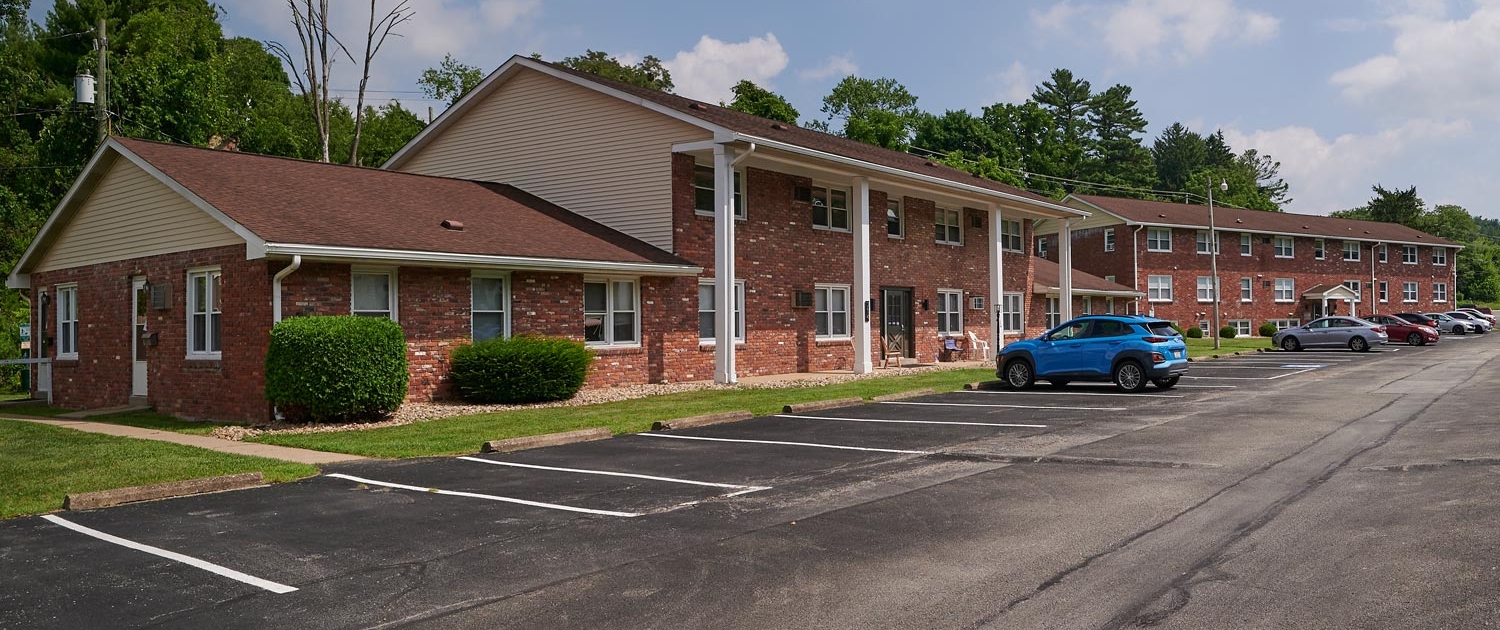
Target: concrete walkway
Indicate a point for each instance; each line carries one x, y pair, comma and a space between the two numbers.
285, 453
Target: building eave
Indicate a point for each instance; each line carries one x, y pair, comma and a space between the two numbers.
334, 253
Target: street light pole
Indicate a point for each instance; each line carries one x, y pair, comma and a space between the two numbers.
1213, 253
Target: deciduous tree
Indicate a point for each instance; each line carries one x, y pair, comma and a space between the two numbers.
648, 73
756, 100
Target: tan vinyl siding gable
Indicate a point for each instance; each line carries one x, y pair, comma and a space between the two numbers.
131, 214
594, 154
1096, 220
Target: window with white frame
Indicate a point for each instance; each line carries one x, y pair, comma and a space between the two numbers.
205, 312
1109, 239
895, 218
1319, 251
703, 189
708, 314
1159, 288
1109, 306
1204, 326
1283, 324
1283, 247
1041, 246
1408, 254
1241, 327
1286, 290
1440, 292
1351, 251
1381, 254
1010, 235
1439, 256
1247, 292
1054, 311
946, 223
1158, 239
1010, 312
1385, 291
1203, 242
950, 312
488, 302
1088, 305
611, 316
831, 310
1109, 278
1205, 289
1245, 239
1353, 285
830, 208
67, 321
374, 293
1409, 292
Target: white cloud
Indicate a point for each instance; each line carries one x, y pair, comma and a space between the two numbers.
1137, 30
835, 66
1437, 66
1327, 175
1058, 17
1015, 84
712, 67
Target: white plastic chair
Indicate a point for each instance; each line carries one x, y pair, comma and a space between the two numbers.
983, 346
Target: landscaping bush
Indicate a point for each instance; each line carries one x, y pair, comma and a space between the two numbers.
1177, 328
1267, 329
336, 368
1228, 332
1195, 333
520, 369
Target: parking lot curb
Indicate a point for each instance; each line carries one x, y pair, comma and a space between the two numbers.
925, 391
984, 385
822, 404
701, 421
544, 440
119, 496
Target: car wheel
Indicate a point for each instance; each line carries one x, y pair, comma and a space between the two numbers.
1058, 382
1458, 329
1416, 339
1018, 374
1358, 344
1129, 376
1290, 344
1166, 383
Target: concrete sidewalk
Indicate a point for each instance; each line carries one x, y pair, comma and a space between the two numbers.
285, 453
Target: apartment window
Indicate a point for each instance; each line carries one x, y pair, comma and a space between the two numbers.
374, 293
1241, 327
1439, 256
708, 323
1385, 292
1318, 249
1381, 253
1088, 305
205, 312
1245, 239
1439, 292
703, 188
1054, 312
830, 208
1351, 251
1041, 246
1246, 289
1158, 239
1109, 239
1109, 306
831, 310
1010, 312
950, 312
1409, 292
1010, 235
487, 309
1286, 290
67, 322
1205, 289
895, 219
949, 232
1203, 242
1283, 324
1408, 254
610, 314
1353, 285
1283, 247
1159, 288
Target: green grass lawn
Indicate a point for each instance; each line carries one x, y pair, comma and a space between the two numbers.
142, 419
15, 396
41, 464
1205, 347
464, 434
39, 409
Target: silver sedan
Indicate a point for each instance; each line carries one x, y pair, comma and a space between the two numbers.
1339, 331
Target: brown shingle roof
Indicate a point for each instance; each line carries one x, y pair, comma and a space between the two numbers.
311, 203
1046, 276
1237, 219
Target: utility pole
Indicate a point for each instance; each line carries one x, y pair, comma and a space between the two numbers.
1213, 258
101, 104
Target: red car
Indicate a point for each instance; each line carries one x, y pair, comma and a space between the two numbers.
1401, 330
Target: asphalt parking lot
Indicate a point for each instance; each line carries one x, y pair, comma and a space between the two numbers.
700, 528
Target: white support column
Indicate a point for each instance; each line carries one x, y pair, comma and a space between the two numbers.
724, 294
1065, 270
997, 283
863, 364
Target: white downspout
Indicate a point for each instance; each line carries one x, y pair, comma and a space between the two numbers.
740, 158
1135, 267
1065, 271
1374, 286
276, 286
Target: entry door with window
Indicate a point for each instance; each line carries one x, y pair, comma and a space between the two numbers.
140, 301
895, 322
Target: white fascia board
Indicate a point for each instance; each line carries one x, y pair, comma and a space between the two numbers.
18, 281
472, 261
1053, 291
1335, 237
255, 246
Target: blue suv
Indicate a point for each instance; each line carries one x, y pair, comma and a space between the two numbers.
1128, 350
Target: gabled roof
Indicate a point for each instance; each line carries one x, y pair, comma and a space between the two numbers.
1326, 291
729, 125
1160, 213
1046, 278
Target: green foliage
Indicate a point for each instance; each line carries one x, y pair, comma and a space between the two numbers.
1266, 330
1228, 332
1178, 152
449, 81
1178, 328
1479, 272
1115, 155
1396, 206
874, 111
343, 367
649, 73
520, 369
758, 101
1194, 333
1068, 100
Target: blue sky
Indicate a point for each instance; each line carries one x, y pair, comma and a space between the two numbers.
1344, 93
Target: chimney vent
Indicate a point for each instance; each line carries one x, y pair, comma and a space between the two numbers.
450, 224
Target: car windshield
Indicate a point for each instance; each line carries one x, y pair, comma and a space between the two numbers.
1164, 329
1458, 315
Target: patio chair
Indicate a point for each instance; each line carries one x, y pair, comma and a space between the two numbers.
955, 351
982, 346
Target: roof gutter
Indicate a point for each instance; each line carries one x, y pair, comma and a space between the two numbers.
447, 259
1241, 228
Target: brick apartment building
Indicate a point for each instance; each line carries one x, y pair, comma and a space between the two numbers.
1273, 267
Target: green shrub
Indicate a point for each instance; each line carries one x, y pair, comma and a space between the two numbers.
1228, 332
1267, 329
1195, 333
1177, 328
520, 369
336, 368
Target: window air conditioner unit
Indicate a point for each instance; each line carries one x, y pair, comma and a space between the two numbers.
976, 303
802, 299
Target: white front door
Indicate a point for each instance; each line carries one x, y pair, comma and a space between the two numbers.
140, 300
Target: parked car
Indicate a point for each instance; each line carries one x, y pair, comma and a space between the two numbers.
1478, 314
1398, 329
1336, 331
1453, 325
1128, 350
1481, 325
1483, 309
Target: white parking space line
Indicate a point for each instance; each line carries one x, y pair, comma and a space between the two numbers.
730, 486
970, 424
1063, 393
1180, 385
927, 404
1251, 378
809, 444
1241, 367
487, 497
172, 555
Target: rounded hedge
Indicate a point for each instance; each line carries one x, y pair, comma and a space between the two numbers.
520, 369
1267, 329
336, 368
1228, 332
1195, 333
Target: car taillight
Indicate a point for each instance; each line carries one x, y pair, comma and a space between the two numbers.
1156, 357
1379, 329
1155, 339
